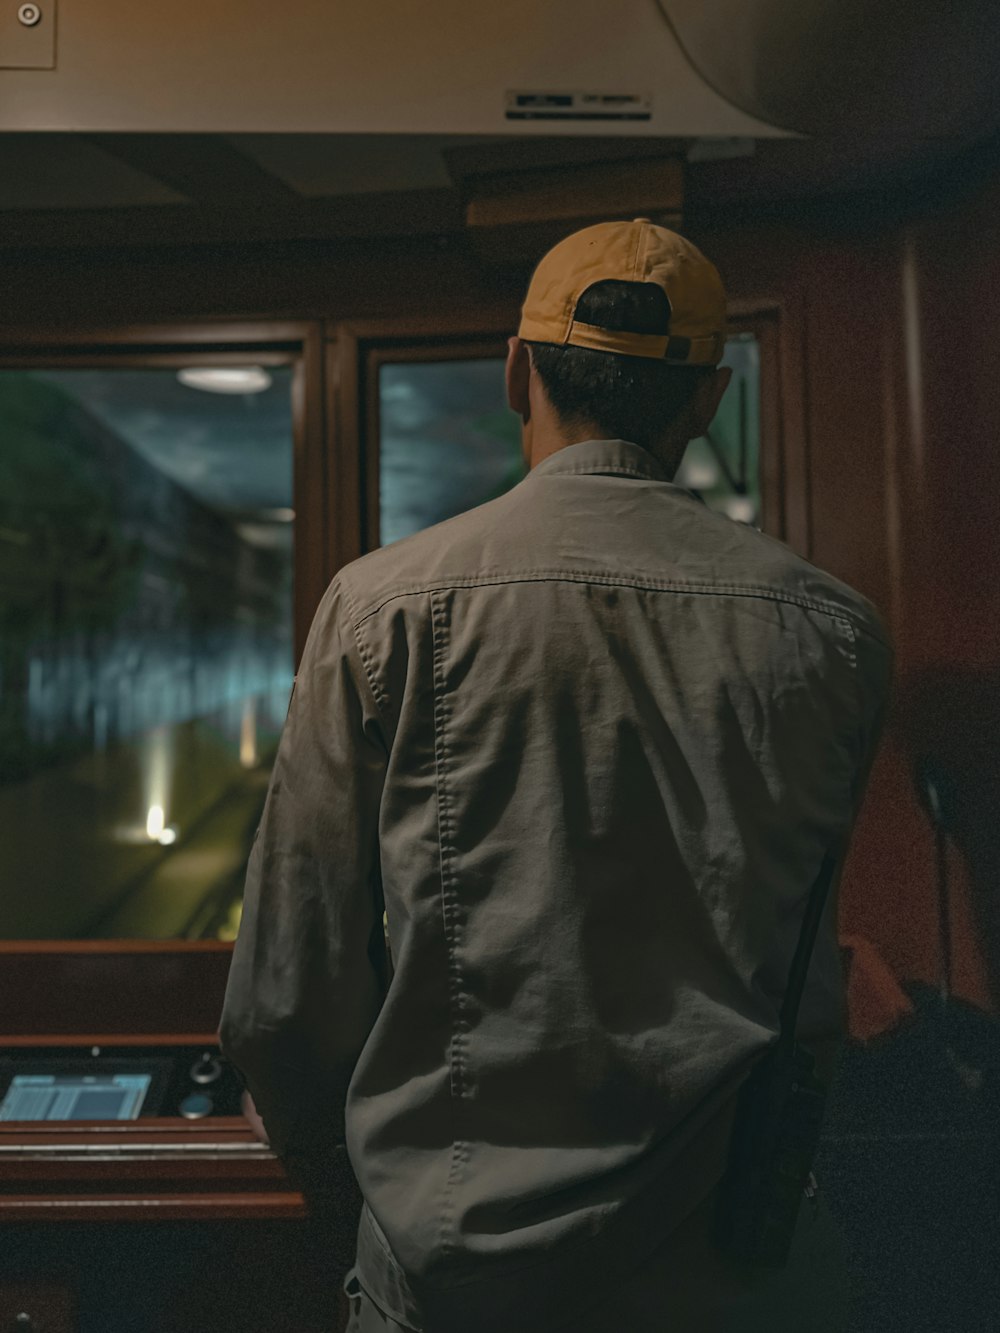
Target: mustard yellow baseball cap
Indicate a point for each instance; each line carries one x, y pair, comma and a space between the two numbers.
637, 251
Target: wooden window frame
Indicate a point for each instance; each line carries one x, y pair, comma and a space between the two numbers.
65, 991
358, 350
783, 462
474, 349
57, 990
268, 343
355, 352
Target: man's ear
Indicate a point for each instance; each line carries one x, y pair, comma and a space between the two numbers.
707, 398
517, 374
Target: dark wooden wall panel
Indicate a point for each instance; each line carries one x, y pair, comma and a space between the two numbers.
347, 280
903, 491
949, 705
144, 989
844, 294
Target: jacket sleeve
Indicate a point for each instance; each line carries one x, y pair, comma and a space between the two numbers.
308, 972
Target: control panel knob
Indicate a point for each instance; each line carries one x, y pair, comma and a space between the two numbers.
196, 1105
207, 1069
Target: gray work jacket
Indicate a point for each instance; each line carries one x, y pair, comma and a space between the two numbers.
587, 744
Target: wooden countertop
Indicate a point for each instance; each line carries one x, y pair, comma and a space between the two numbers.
147, 1169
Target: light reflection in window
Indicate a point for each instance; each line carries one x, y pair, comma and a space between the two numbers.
448, 442
146, 658
723, 467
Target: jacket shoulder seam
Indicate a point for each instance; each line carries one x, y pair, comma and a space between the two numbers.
832, 609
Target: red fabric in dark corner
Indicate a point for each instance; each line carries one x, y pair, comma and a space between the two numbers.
876, 1002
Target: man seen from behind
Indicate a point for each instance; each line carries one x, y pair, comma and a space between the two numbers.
587, 745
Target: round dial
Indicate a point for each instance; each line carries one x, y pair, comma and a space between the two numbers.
195, 1105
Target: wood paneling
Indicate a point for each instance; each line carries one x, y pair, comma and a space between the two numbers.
235, 279
311, 482
99, 988
162, 1168
889, 324
524, 212
431, 212
349, 502
196, 1199
185, 1206
949, 487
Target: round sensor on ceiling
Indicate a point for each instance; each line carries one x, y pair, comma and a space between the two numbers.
226, 379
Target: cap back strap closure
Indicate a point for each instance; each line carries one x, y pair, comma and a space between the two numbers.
656, 346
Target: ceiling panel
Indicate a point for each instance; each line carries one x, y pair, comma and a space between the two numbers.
66, 171
316, 165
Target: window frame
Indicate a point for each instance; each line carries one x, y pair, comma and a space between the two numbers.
56, 991
783, 459
297, 344
419, 353
358, 350
61, 991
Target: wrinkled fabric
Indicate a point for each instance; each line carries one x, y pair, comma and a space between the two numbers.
587, 745
687, 1286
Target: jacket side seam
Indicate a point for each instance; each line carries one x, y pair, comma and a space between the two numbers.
611, 580
450, 917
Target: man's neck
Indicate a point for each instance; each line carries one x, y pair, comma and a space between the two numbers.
545, 443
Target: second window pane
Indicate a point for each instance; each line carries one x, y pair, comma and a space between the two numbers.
448, 442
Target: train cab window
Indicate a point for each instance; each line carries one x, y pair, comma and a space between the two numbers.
447, 441
723, 467
145, 642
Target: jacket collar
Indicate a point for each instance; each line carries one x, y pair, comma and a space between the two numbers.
602, 457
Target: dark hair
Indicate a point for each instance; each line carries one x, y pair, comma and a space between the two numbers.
625, 397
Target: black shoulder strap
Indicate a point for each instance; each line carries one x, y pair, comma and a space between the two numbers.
803, 950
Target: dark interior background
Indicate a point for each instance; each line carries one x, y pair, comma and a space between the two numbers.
879, 265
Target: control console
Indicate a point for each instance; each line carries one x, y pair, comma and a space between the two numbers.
117, 1083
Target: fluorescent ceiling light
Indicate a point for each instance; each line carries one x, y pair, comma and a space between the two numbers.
226, 379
